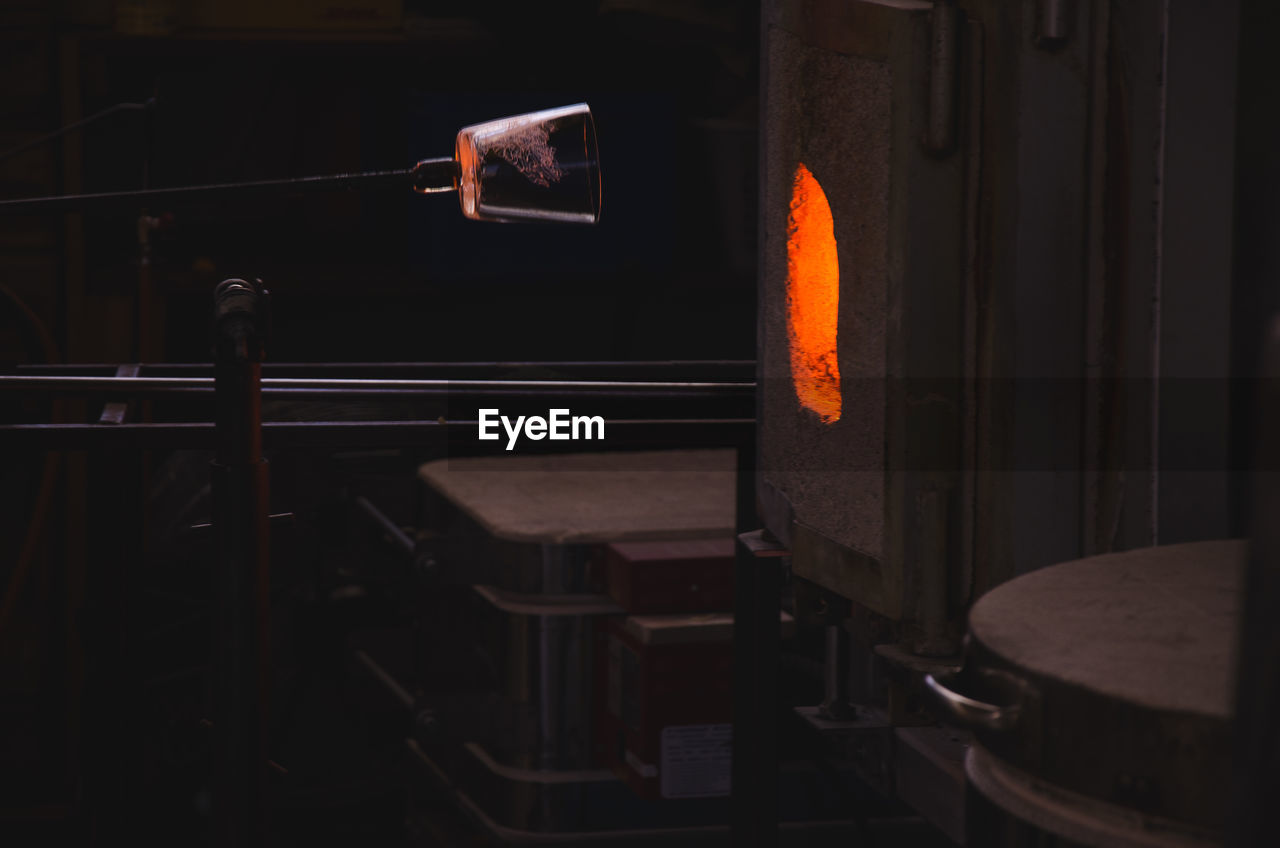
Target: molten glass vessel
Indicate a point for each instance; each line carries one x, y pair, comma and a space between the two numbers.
541, 166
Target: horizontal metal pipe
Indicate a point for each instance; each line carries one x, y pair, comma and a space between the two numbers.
97, 368
453, 395
147, 385
701, 432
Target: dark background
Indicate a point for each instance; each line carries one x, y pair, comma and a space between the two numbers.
667, 273
103, 736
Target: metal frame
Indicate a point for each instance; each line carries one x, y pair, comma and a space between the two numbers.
241, 522
727, 400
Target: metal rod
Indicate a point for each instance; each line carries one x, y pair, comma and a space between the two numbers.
940, 132
722, 405
1255, 754
388, 526
75, 125
163, 385
368, 180
757, 590
835, 675
746, 366
280, 435
551, 636
1053, 23
242, 608
384, 677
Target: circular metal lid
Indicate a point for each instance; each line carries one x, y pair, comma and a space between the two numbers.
1112, 677
1154, 627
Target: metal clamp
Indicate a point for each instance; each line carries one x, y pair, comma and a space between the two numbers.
972, 713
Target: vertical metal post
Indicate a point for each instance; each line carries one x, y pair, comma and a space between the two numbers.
116, 496
549, 633
940, 132
835, 675
241, 663
757, 587
1256, 743
144, 330
1053, 23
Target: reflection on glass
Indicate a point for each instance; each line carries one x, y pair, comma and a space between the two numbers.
542, 166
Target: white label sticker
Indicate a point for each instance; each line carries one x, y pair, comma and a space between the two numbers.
696, 760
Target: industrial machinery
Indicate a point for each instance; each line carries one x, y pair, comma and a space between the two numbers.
955, 559
976, 361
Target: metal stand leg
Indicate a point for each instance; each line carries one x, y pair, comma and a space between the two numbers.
241, 664
835, 704
1257, 740
757, 590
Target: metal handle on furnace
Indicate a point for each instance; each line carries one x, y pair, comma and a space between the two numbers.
973, 713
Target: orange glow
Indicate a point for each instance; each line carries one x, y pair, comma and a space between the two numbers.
813, 298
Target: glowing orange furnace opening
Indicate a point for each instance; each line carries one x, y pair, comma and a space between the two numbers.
813, 298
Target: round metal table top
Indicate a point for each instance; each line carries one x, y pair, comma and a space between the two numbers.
1155, 627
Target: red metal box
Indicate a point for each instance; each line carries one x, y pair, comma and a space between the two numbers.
668, 576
